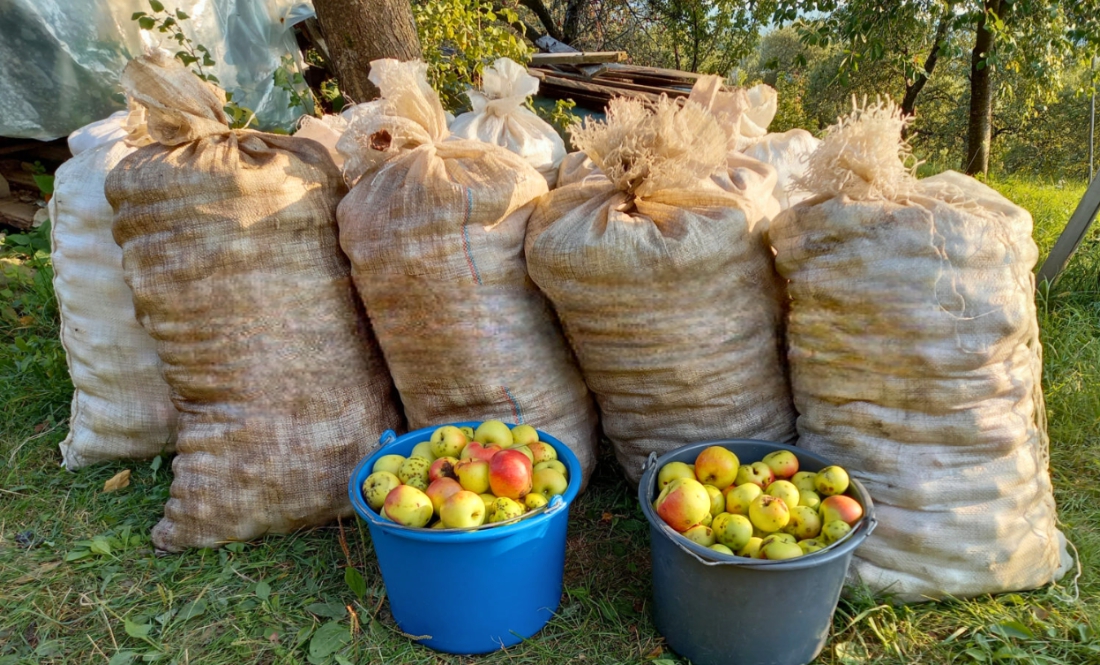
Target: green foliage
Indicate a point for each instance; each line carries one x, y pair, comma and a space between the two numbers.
560, 116
709, 36
288, 78
459, 38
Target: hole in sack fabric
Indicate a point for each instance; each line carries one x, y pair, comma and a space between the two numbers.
380, 141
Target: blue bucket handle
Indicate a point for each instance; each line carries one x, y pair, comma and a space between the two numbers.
556, 504
388, 437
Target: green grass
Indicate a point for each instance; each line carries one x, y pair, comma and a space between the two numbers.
79, 582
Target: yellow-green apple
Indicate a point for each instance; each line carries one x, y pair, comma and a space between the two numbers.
683, 504
534, 500
841, 507
778, 550
783, 463
523, 435
494, 432
752, 548
547, 482
703, 535
414, 468
468, 431
423, 449
719, 547
504, 509
672, 471
809, 498
440, 489
462, 510
542, 452
717, 501
474, 450
768, 513
552, 464
448, 441
377, 486
784, 489
805, 523
756, 473
739, 497
707, 519
804, 481
834, 531
733, 531
810, 546
409, 506
444, 467
488, 499
473, 475
830, 481
526, 451
383, 515
510, 474
780, 536
716, 466
438, 524
389, 463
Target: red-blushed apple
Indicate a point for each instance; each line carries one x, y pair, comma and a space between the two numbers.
752, 549
768, 513
534, 500
542, 452
804, 481
805, 523
716, 466
683, 504
834, 531
389, 463
756, 473
523, 435
841, 507
440, 489
552, 464
526, 451
377, 487
444, 467
778, 550
784, 489
783, 463
701, 535
809, 498
474, 450
672, 471
409, 506
719, 547
415, 471
717, 500
830, 481
448, 441
547, 482
494, 432
738, 498
510, 474
733, 531
505, 509
462, 510
473, 475
423, 449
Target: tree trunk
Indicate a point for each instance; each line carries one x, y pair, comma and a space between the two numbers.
570, 28
547, 21
909, 102
358, 31
980, 123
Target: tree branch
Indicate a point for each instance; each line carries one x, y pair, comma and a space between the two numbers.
544, 17
909, 102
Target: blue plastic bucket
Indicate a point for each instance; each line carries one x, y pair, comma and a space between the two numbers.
470, 592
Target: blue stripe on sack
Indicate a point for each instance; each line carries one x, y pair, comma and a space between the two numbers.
515, 406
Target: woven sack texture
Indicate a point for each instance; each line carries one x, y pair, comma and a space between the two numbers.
664, 287
915, 362
434, 229
231, 249
121, 407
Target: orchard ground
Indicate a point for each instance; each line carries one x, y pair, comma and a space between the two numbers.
79, 582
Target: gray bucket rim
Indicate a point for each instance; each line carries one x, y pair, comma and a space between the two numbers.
708, 557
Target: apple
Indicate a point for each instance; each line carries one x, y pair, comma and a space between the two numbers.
841, 507
707, 519
752, 548
739, 498
702, 535
780, 536
510, 474
448, 441
474, 450
784, 489
717, 466
805, 523
444, 467
438, 524
717, 501
523, 435
462, 510
683, 504
469, 432
534, 500
810, 546
377, 486
494, 432
547, 482
808, 498
526, 451
413, 469
733, 531
778, 550
389, 463
719, 547
757, 473
409, 506
834, 531
830, 481
439, 490
804, 481
783, 463
473, 475
672, 471
504, 508
383, 515
768, 513
552, 464
423, 449
542, 452
488, 499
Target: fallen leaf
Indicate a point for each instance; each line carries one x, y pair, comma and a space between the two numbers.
606, 518
26, 320
657, 651
118, 481
39, 427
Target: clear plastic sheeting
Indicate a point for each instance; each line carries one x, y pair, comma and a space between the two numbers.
62, 58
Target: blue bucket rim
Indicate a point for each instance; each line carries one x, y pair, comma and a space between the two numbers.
707, 556
389, 440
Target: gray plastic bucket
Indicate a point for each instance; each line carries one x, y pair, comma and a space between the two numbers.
716, 609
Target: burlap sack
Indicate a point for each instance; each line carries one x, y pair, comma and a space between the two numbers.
230, 246
915, 363
121, 407
664, 287
435, 229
